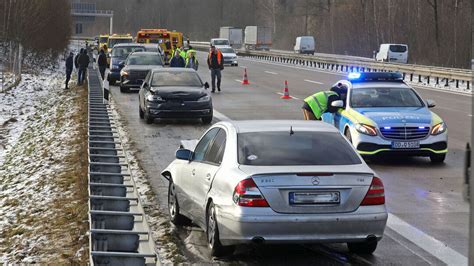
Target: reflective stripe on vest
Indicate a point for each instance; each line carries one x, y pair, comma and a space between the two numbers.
219, 57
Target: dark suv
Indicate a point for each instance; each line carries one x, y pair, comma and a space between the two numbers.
119, 54
136, 67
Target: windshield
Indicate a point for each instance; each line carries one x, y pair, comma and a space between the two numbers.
227, 50
300, 148
398, 48
125, 51
144, 60
174, 78
221, 42
113, 42
103, 39
385, 97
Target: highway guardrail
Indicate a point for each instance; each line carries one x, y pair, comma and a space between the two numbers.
414, 73
119, 233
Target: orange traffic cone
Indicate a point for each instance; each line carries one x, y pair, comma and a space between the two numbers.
245, 81
286, 93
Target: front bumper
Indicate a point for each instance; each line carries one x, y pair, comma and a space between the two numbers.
228, 61
130, 83
377, 145
243, 224
180, 109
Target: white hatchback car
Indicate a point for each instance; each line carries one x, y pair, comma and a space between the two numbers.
277, 182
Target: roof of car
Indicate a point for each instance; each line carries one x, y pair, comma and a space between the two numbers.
379, 84
245, 126
174, 69
144, 53
128, 44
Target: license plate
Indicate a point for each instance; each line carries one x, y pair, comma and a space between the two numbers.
305, 198
405, 145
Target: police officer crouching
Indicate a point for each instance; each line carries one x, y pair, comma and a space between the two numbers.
319, 103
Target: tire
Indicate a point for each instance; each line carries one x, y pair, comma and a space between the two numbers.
147, 117
362, 247
437, 158
140, 112
173, 206
347, 134
123, 90
207, 120
212, 233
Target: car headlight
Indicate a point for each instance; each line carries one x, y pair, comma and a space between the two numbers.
439, 128
205, 98
366, 129
154, 98
123, 73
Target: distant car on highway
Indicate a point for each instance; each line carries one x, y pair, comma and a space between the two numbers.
391, 52
219, 41
136, 68
230, 57
174, 93
119, 54
153, 47
304, 45
384, 115
276, 182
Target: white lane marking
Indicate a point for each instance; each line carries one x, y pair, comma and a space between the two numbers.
345, 75
269, 72
430, 244
238, 80
469, 115
312, 81
221, 116
242, 66
292, 97
406, 246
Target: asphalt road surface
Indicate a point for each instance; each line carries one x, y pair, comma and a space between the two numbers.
428, 222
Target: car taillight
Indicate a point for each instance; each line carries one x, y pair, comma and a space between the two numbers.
247, 194
376, 193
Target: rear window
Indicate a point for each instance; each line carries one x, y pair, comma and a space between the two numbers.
300, 148
179, 79
221, 42
398, 48
113, 42
144, 60
125, 51
103, 39
227, 50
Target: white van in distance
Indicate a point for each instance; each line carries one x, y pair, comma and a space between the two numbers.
391, 52
304, 45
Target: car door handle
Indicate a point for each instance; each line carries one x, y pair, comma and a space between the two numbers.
208, 177
193, 172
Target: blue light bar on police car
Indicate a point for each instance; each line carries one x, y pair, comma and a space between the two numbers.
374, 76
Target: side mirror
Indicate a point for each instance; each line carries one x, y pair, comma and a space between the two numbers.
337, 104
145, 84
184, 154
206, 85
430, 103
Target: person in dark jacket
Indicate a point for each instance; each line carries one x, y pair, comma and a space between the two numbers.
177, 60
102, 62
69, 67
83, 64
76, 59
215, 62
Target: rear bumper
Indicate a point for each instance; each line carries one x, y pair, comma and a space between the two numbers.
276, 228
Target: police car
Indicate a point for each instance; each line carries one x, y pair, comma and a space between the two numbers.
382, 114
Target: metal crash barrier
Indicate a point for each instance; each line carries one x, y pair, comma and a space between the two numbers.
119, 233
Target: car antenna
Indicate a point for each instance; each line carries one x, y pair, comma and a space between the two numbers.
291, 131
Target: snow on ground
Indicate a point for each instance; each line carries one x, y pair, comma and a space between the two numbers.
43, 218
163, 232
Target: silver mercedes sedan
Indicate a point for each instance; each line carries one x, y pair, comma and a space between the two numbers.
276, 182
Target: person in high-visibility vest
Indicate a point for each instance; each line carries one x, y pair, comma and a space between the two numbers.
319, 103
191, 59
